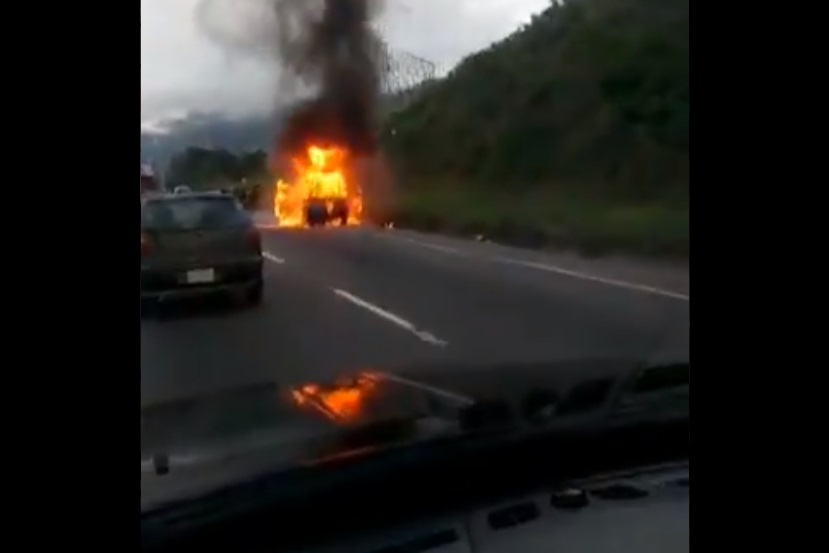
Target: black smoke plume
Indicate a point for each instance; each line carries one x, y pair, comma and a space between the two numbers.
330, 47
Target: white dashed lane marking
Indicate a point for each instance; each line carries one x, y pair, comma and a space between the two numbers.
271, 257
400, 322
593, 278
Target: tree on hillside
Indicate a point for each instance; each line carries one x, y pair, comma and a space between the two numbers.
235, 134
593, 92
202, 168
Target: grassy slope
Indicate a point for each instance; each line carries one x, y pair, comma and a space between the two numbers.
572, 131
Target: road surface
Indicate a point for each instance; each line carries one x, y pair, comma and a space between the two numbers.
360, 298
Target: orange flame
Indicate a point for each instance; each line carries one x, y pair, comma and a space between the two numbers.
344, 402
320, 174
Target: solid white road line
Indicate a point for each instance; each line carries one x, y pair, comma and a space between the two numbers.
271, 257
436, 247
421, 243
643, 288
422, 335
592, 278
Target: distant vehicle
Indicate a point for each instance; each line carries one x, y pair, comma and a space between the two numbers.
196, 244
321, 211
149, 181
182, 189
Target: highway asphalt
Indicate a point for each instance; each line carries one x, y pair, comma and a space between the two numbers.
340, 300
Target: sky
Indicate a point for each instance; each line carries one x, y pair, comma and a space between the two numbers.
182, 70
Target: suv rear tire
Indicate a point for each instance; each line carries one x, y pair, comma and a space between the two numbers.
149, 308
256, 293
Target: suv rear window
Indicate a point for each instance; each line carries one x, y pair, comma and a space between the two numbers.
192, 213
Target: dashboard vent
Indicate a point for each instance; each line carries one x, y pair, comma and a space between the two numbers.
569, 499
486, 414
540, 406
419, 544
514, 515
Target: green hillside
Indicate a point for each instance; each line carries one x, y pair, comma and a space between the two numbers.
573, 131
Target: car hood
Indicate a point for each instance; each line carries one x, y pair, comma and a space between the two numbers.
194, 444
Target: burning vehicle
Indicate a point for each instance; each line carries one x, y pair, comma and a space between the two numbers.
326, 158
328, 140
320, 191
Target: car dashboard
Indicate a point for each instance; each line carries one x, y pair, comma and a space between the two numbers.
588, 480
628, 489
644, 512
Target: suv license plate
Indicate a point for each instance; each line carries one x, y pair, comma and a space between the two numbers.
201, 276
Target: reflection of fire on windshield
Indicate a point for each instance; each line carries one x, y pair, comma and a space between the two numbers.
343, 402
320, 174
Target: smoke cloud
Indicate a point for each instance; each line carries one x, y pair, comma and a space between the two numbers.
326, 46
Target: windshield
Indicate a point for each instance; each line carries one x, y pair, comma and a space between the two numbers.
192, 213
438, 194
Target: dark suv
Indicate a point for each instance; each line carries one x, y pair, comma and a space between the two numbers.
198, 243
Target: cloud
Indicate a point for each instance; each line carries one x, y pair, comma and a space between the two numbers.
182, 69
